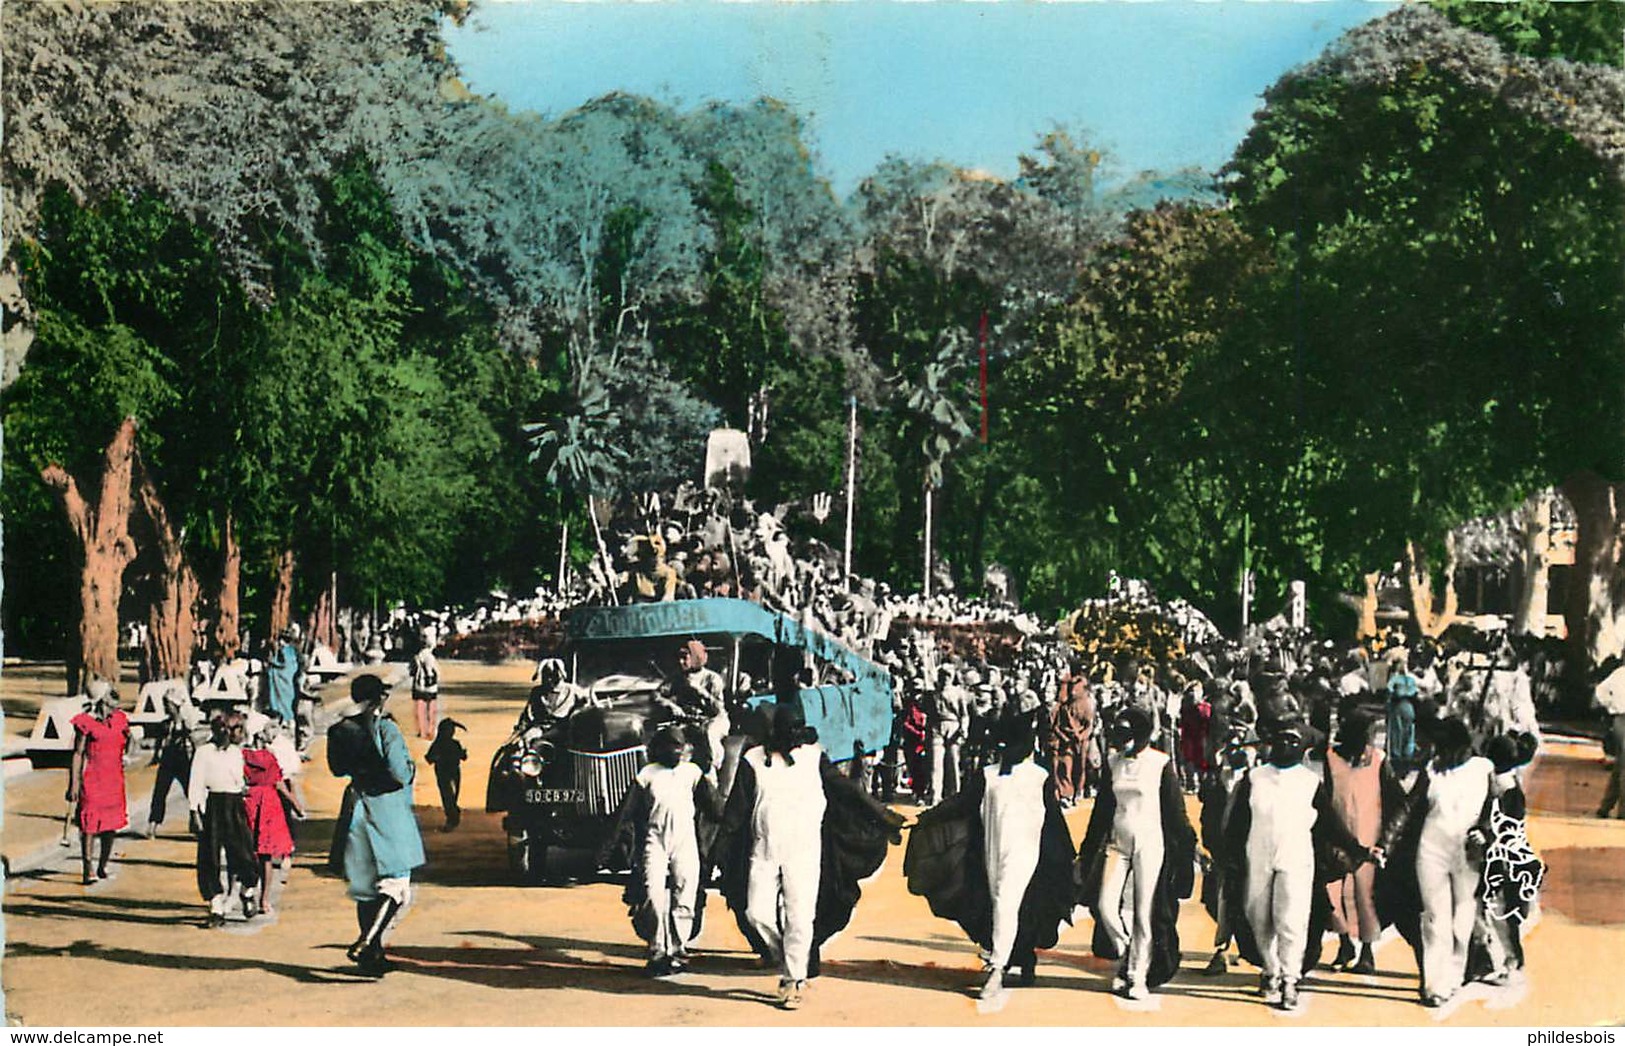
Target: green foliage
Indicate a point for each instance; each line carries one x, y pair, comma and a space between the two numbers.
590, 223
366, 418
666, 422
405, 332
235, 122
1587, 31
805, 449
64, 408
381, 395
1105, 416
936, 403
88, 379
116, 338
581, 450
1454, 302
1064, 173
729, 340
626, 425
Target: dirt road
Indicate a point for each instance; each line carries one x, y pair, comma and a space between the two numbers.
476, 950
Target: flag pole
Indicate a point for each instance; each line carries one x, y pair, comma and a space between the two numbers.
564, 548
851, 481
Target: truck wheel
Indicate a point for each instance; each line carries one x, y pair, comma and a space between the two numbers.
527, 856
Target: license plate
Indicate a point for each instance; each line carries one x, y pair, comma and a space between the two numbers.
552, 795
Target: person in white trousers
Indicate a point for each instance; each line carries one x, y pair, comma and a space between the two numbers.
1013, 812
671, 852
786, 829
1449, 857
1286, 802
1134, 854
950, 716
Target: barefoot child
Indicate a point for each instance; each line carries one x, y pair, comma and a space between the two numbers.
446, 755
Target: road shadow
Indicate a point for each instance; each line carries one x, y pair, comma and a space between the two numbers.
314, 834
546, 968
25, 709
1373, 992
101, 909
129, 903
964, 942
158, 960
474, 854
512, 692
26, 815
1241, 987
955, 980
560, 948
1088, 962
38, 875
153, 862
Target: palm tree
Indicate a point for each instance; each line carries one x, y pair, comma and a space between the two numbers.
583, 454
937, 402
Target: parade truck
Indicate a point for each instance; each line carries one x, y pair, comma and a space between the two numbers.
559, 784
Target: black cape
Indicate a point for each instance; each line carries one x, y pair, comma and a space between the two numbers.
1398, 893
1174, 883
1515, 866
1337, 853
856, 833
945, 863
1217, 804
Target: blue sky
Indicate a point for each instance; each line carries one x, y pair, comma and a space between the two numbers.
1161, 84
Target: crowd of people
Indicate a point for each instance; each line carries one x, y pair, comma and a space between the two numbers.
1314, 767
1349, 789
238, 772
1343, 789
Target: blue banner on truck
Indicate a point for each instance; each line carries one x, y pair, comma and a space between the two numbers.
845, 713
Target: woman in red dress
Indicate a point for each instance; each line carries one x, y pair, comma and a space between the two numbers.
96, 780
1195, 721
267, 790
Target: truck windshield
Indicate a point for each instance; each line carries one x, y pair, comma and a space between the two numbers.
624, 665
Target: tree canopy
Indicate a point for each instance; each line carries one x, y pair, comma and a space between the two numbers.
402, 331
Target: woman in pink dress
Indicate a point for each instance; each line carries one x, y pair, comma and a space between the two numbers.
267, 790
96, 780
1354, 774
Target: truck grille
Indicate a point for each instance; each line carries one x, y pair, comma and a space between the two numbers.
604, 778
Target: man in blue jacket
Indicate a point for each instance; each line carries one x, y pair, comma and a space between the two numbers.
383, 845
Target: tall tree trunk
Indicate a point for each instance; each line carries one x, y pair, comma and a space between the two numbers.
1450, 612
1368, 607
324, 620
105, 549
1592, 609
227, 634
1529, 616
1427, 619
282, 594
1419, 585
172, 615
